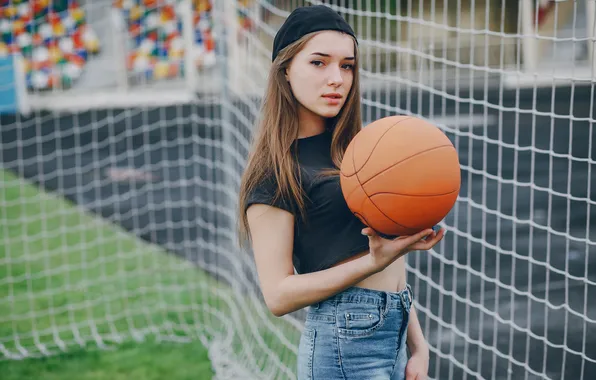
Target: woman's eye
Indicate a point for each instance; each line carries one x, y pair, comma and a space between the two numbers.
346, 66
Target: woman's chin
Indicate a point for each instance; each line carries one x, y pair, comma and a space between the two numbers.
328, 112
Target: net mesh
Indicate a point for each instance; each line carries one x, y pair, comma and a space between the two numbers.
135, 131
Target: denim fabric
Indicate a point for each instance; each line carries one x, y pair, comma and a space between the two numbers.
356, 334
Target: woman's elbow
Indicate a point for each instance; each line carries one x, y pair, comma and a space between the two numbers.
278, 311
278, 305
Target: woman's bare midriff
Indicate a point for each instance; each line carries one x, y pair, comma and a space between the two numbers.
389, 279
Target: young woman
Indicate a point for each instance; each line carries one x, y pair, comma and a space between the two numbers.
310, 250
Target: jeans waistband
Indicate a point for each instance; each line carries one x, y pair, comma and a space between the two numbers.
386, 300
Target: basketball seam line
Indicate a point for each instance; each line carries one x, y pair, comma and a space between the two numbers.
368, 158
353, 190
405, 159
367, 196
415, 195
373, 148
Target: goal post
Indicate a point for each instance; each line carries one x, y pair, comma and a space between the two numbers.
591, 20
547, 23
530, 49
244, 45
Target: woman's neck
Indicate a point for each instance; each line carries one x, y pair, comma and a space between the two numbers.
310, 124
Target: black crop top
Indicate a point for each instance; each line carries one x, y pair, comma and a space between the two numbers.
331, 233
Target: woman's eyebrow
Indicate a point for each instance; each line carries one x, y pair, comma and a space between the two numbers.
327, 55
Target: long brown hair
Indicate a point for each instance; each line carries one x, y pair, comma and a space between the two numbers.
271, 152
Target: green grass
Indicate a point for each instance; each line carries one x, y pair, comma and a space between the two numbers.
130, 361
69, 277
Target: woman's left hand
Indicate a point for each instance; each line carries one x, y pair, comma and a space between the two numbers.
417, 367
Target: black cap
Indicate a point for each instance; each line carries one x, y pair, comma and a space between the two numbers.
304, 20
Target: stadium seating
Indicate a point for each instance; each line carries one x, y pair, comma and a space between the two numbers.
53, 38
56, 41
156, 37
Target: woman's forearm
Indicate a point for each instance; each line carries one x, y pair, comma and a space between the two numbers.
298, 291
416, 341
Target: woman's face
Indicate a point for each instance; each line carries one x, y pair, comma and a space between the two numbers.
321, 74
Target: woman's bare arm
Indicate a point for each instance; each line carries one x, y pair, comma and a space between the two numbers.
272, 234
416, 341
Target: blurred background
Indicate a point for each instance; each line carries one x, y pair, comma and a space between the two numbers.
124, 129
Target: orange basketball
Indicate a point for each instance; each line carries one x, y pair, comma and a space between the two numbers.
400, 175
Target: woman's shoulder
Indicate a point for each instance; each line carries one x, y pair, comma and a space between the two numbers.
266, 191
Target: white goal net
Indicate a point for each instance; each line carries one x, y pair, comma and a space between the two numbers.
124, 130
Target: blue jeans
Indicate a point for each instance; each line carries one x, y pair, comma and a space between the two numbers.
356, 334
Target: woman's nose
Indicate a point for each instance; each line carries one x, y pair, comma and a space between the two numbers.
335, 78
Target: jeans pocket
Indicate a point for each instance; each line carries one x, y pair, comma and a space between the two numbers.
356, 320
367, 345
306, 350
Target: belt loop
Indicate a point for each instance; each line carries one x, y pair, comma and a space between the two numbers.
410, 293
403, 299
387, 300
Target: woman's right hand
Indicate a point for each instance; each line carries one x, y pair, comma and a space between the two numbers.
383, 251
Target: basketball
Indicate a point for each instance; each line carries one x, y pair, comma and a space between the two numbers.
400, 175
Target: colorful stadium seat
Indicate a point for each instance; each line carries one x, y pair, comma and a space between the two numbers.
156, 36
53, 38
56, 41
